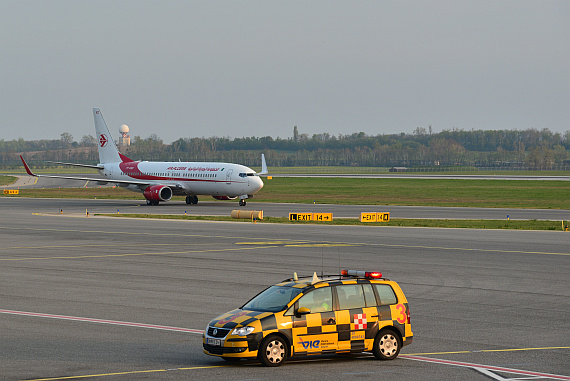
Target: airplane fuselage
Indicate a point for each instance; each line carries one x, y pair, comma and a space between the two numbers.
187, 178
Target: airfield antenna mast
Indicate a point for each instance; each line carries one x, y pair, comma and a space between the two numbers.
322, 262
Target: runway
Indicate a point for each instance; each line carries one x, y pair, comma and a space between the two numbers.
224, 208
105, 298
208, 205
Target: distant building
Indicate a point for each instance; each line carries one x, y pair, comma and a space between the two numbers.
124, 139
398, 169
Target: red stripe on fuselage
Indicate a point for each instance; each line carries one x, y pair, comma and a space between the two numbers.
131, 169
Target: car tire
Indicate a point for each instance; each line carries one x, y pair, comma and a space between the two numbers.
272, 351
386, 345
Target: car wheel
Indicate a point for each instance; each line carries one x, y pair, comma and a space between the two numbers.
272, 351
386, 345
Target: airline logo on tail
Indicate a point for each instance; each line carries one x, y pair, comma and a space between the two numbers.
103, 140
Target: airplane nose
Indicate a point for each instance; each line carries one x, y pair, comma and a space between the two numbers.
258, 183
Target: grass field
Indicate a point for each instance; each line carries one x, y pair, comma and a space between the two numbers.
7, 180
466, 224
419, 192
432, 192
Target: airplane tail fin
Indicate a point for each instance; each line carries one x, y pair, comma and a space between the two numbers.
108, 152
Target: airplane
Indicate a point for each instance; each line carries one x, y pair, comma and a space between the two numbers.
159, 181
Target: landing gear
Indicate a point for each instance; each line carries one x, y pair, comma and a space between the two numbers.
151, 202
192, 199
242, 202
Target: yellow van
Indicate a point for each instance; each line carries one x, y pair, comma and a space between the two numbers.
356, 311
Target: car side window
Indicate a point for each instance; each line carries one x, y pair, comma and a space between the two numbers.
386, 294
369, 295
318, 300
350, 296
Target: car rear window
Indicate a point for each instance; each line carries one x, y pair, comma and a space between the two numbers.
386, 294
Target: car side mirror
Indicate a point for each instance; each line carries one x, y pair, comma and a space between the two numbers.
303, 311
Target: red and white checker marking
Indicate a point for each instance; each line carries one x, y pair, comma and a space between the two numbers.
360, 321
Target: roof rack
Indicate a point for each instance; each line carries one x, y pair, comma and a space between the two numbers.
343, 274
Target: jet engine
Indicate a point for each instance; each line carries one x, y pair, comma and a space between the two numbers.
156, 193
224, 197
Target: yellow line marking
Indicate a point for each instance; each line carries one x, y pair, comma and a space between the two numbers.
322, 244
466, 249
99, 245
145, 233
486, 350
298, 244
521, 349
437, 353
270, 243
226, 366
124, 373
134, 254
293, 242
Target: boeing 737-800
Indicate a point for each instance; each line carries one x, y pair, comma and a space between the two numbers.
159, 181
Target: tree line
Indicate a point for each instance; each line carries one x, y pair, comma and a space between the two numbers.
529, 149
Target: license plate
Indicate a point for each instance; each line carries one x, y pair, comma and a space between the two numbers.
214, 342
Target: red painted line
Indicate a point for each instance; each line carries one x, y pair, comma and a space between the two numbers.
489, 367
102, 321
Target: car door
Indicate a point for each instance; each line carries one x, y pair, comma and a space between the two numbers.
356, 317
314, 330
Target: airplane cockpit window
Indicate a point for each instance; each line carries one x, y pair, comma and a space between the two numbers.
242, 175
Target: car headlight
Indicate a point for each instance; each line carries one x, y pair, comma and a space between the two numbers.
243, 331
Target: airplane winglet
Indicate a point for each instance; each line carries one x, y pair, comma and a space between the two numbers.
263, 166
27, 168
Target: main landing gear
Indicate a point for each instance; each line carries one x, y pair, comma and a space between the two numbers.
242, 202
193, 199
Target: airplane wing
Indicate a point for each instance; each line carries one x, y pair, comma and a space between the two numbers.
75, 165
99, 180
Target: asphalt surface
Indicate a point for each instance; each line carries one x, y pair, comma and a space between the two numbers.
77, 294
208, 205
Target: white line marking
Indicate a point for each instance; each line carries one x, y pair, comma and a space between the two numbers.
103, 321
480, 367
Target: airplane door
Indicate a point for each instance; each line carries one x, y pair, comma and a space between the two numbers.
229, 176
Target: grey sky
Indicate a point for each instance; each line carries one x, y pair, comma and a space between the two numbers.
257, 68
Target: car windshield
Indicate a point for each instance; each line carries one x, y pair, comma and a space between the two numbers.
273, 299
